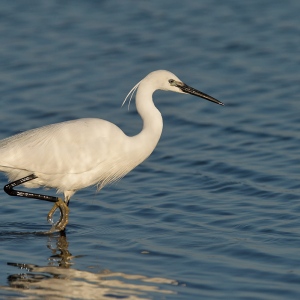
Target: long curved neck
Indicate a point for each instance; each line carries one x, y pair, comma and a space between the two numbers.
146, 141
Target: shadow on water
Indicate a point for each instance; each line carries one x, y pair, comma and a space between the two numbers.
58, 280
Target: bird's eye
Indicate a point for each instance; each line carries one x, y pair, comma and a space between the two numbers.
172, 82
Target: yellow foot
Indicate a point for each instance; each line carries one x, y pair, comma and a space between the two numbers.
64, 215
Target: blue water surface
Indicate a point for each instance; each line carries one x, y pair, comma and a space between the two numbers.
214, 212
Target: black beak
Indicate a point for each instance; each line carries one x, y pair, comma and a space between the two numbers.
189, 90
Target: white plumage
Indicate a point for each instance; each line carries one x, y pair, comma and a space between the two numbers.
72, 155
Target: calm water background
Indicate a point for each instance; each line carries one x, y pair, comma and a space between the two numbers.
214, 213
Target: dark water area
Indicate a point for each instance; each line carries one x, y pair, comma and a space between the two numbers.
214, 212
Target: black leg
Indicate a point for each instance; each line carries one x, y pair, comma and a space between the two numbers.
58, 202
10, 191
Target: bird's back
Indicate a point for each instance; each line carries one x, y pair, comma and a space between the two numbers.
62, 150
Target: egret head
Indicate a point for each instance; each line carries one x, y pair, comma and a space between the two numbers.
165, 80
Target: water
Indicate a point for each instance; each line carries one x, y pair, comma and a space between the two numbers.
214, 212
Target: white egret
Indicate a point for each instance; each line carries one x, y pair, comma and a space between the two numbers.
72, 155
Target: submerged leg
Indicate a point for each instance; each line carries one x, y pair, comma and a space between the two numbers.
59, 203
64, 213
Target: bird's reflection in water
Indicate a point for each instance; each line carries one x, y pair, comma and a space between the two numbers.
58, 280
61, 255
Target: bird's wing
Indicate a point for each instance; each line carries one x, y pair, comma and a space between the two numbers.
63, 148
